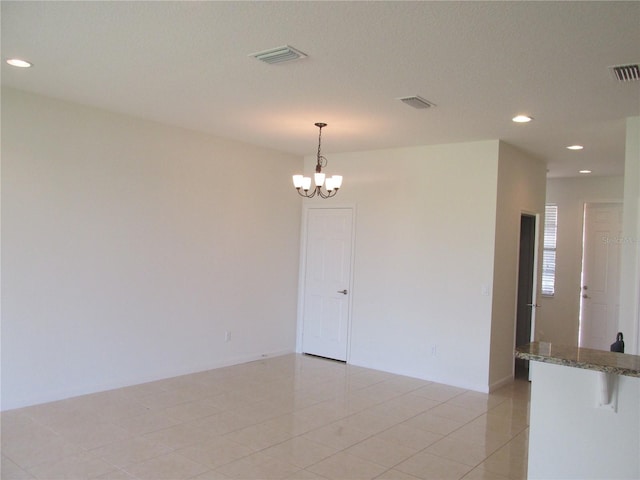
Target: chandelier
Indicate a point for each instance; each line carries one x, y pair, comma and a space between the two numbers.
331, 184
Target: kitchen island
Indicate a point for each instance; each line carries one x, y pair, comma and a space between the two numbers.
584, 414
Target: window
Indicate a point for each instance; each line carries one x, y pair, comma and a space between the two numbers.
549, 250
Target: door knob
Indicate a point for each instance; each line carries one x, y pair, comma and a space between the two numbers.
344, 292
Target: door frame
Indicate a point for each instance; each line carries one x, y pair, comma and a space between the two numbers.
537, 259
306, 207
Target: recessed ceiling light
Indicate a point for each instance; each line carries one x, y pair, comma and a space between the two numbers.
16, 62
585, 171
522, 118
575, 147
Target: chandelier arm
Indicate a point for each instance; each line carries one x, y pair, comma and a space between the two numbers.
328, 194
317, 191
305, 194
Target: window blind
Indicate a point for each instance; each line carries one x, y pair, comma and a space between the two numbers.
549, 249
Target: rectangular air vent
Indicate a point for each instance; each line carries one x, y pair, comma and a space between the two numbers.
417, 102
626, 73
279, 55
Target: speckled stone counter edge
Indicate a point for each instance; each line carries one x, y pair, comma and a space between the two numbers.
587, 358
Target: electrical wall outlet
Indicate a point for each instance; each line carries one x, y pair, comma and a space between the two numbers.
227, 335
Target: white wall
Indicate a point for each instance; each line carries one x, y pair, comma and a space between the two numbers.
521, 189
425, 227
557, 319
424, 292
630, 253
130, 247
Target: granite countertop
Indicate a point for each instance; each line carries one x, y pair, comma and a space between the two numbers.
598, 360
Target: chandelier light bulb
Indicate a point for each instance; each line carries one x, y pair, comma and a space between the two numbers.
329, 184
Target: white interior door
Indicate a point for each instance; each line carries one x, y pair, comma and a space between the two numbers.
599, 302
327, 282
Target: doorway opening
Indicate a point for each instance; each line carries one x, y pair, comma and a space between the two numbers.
526, 290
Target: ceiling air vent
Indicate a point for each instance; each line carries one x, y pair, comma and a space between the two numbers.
279, 55
417, 102
626, 73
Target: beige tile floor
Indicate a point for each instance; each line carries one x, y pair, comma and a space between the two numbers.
289, 417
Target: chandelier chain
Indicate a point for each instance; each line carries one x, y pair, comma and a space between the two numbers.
322, 162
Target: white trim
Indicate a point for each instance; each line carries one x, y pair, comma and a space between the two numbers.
65, 393
500, 383
615, 200
306, 206
482, 388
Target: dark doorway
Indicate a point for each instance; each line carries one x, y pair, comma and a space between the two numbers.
526, 268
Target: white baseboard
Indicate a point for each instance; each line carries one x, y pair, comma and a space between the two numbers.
62, 394
452, 382
501, 383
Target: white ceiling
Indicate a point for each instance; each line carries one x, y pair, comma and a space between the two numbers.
188, 64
